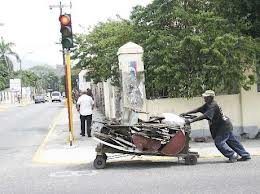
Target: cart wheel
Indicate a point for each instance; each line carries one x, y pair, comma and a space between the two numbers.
191, 160
100, 162
104, 156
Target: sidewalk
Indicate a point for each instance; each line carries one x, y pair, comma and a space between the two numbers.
56, 149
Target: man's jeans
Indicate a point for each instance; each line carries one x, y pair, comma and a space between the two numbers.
228, 144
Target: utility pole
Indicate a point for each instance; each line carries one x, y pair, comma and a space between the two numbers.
67, 64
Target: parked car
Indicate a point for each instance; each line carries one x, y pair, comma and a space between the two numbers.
39, 99
56, 96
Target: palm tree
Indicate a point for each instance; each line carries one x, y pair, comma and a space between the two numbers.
5, 54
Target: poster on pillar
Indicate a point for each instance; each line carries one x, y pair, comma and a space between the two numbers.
135, 86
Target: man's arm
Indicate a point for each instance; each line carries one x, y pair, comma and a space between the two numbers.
191, 112
201, 117
207, 115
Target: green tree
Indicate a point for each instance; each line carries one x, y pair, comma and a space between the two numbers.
51, 81
6, 52
29, 79
193, 47
48, 78
189, 46
97, 51
245, 14
4, 76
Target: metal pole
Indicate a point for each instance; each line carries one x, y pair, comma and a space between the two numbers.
69, 97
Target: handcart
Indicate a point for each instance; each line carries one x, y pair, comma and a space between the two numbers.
155, 137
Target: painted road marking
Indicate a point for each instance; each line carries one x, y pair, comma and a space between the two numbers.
63, 174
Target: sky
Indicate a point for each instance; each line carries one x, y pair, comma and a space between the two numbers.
35, 28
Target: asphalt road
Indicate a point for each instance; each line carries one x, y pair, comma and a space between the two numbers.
23, 129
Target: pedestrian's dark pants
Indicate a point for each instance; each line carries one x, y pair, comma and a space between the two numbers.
228, 144
83, 119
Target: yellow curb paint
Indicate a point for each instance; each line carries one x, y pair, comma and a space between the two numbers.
38, 155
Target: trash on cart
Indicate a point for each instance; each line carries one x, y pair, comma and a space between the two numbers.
163, 135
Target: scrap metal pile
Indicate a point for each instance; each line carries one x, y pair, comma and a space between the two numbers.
166, 135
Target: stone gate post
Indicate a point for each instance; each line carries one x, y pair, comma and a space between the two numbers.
131, 68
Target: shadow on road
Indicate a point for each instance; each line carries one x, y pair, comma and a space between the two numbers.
146, 164
136, 164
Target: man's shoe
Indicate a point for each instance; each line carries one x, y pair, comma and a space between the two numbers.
233, 159
89, 136
244, 158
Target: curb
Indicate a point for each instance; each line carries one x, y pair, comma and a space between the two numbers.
38, 154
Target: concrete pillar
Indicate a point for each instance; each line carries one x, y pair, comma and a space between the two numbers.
131, 69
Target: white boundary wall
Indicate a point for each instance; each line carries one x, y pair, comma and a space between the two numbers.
243, 110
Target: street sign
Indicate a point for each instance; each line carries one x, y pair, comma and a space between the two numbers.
15, 85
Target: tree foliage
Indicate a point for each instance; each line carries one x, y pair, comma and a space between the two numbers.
6, 53
29, 79
48, 80
6, 64
195, 48
189, 45
4, 76
97, 51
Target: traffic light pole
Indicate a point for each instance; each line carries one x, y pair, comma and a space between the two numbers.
67, 65
69, 96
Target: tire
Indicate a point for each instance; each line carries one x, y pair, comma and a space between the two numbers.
191, 160
104, 156
100, 162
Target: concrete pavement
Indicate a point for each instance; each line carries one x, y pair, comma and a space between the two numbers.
55, 147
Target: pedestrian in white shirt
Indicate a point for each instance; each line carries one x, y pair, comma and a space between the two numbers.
85, 106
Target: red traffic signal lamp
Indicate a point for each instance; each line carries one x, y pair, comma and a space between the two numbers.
66, 31
65, 19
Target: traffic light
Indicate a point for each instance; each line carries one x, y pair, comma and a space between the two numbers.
66, 31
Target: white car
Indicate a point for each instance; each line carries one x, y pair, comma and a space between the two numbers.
56, 96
